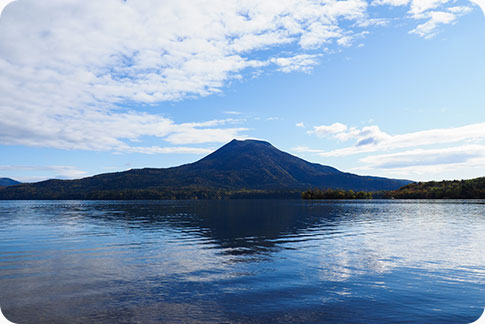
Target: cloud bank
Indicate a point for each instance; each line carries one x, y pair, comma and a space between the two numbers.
69, 69
414, 153
372, 139
58, 171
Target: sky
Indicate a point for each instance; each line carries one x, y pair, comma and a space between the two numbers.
392, 88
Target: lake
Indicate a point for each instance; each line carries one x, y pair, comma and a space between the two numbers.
242, 261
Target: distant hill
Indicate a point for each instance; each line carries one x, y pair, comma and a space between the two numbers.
5, 182
239, 169
456, 189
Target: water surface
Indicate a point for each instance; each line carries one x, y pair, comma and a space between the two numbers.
248, 261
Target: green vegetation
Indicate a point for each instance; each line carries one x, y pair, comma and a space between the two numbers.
335, 194
154, 193
456, 189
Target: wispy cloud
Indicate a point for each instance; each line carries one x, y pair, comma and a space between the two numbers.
325, 130
273, 118
230, 112
69, 68
480, 3
58, 171
3, 4
100, 130
65, 85
417, 154
435, 18
425, 163
306, 149
302, 63
194, 135
167, 150
372, 139
435, 12
426, 157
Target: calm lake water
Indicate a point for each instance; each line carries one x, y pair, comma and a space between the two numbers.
248, 261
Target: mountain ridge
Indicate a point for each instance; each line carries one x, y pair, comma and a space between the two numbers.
5, 182
237, 166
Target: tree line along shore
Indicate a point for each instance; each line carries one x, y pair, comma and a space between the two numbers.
447, 189
456, 189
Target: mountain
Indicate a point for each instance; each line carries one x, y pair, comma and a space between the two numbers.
5, 182
239, 167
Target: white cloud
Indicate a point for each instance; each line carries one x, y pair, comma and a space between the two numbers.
168, 150
104, 130
372, 139
300, 124
306, 149
452, 152
378, 22
230, 112
395, 3
193, 135
365, 136
319, 34
418, 7
436, 12
323, 130
303, 63
428, 29
59, 171
480, 3
68, 67
426, 163
459, 9
426, 157
345, 41
3, 4
421, 10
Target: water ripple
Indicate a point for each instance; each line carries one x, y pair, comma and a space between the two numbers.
242, 261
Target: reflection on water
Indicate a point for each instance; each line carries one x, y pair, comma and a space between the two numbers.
242, 261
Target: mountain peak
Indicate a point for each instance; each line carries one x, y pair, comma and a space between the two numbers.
248, 149
237, 142
239, 165
258, 164
4, 182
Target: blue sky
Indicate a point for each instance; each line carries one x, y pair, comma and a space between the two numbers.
389, 88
